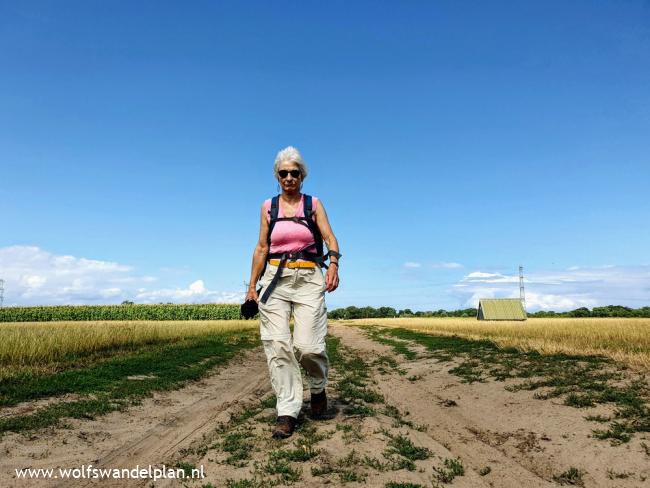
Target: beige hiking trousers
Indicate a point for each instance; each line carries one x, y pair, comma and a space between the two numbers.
301, 291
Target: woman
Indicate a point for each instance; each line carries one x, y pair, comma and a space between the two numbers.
294, 283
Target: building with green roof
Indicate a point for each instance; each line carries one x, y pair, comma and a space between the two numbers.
500, 309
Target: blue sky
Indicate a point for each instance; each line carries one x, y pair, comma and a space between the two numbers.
449, 141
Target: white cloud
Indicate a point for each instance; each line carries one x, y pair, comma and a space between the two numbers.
450, 265
540, 301
480, 277
34, 276
562, 290
411, 264
195, 293
33, 281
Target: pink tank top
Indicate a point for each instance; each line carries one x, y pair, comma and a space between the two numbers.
290, 236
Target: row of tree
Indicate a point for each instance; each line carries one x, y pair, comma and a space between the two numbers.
389, 312
607, 311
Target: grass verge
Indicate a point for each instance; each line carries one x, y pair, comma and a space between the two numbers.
106, 386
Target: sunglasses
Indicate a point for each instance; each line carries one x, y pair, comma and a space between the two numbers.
294, 172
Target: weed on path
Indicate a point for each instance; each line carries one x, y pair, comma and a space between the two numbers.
362, 439
581, 381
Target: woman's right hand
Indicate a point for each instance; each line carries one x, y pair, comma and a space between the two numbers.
252, 295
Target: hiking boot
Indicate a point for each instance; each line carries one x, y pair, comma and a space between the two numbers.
285, 426
318, 404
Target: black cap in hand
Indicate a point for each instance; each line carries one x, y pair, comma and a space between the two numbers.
249, 309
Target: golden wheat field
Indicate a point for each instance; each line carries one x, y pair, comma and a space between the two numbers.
27, 345
622, 339
38, 345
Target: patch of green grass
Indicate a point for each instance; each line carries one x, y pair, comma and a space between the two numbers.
346, 468
344, 427
351, 475
82, 409
450, 469
158, 364
395, 463
353, 392
403, 446
309, 433
374, 463
281, 467
244, 483
356, 410
352, 384
572, 476
399, 346
579, 400
352, 459
245, 414
394, 412
302, 453
269, 402
470, 372
392, 463
584, 381
164, 367
386, 364
238, 445
384, 359
322, 470
617, 433
187, 468
351, 432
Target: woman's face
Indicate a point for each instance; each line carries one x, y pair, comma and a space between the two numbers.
289, 183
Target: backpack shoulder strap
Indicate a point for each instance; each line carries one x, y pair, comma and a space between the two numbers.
275, 207
273, 214
307, 206
307, 210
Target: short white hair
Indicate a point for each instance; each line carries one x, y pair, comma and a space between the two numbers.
290, 154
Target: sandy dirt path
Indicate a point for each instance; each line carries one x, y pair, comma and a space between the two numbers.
424, 400
503, 439
525, 441
151, 433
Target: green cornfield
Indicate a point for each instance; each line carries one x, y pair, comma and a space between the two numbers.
209, 311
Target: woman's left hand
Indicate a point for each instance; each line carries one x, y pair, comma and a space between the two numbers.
332, 278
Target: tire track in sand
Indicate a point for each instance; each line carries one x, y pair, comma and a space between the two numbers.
150, 433
447, 429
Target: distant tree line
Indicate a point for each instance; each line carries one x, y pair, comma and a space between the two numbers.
607, 311
389, 312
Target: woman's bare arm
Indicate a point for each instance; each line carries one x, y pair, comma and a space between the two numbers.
332, 276
259, 257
